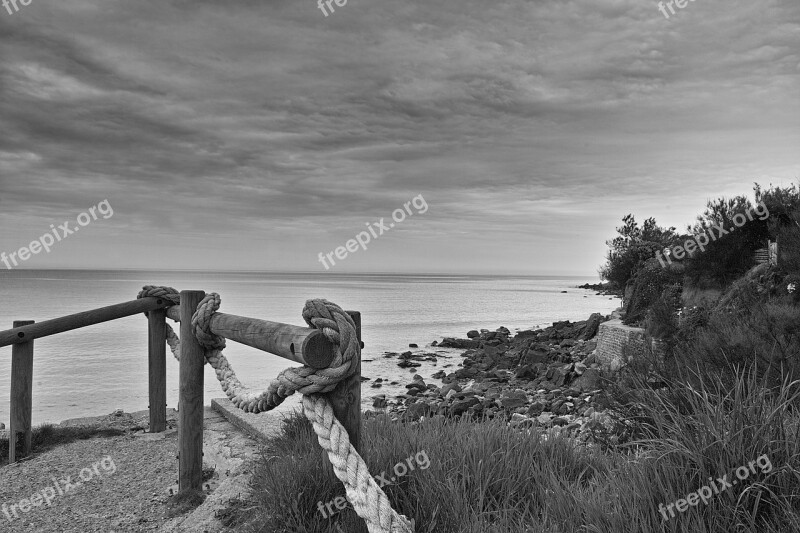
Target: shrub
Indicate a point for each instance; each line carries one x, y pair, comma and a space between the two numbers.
647, 287
727, 256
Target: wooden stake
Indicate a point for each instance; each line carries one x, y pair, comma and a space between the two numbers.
157, 369
346, 397
190, 407
21, 395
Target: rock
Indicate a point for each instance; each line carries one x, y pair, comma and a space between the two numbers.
472, 334
118, 412
537, 408
580, 368
590, 380
376, 385
435, 343
514, 399
560, 375
459, 407
419, 386
379, 401
449, 387
439, 375
2, 426
412, 345
408, 364
591, 326
466, 344
525, 372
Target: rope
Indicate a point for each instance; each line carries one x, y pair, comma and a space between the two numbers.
369, 501
367, 498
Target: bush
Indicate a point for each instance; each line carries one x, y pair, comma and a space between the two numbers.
648, 286
727, 256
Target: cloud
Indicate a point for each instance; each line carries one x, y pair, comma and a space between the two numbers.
268, 122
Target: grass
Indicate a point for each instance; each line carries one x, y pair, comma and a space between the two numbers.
48, 436
486, 477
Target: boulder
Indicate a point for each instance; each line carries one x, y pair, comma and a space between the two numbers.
379, 401
449, 342
590, 380
514, 399
525, 372
459, 407
591, 326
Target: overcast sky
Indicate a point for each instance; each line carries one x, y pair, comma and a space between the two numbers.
256, 134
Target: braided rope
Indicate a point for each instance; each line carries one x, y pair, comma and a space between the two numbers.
369, 501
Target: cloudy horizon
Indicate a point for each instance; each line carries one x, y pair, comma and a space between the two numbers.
257, 135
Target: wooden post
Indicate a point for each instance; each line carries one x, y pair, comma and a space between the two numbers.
21, 395
346, 397
157, 369
190, 406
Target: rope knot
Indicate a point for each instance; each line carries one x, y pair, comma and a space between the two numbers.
166, 293
201, 322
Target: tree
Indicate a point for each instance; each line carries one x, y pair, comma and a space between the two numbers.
633, 247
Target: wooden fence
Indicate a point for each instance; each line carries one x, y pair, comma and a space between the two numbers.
299, 344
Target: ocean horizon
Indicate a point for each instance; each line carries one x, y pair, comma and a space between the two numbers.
98, 369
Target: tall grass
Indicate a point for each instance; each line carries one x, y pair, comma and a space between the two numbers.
487, 477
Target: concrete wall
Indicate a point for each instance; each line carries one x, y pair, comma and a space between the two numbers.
616, 341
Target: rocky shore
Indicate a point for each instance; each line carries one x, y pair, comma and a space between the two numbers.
546, 378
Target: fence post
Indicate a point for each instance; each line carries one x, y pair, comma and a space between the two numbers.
346, 397
190, 406
21, 395
157, 369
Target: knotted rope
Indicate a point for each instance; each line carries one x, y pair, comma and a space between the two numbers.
369, 501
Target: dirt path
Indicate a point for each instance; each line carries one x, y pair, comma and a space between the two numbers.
104, 485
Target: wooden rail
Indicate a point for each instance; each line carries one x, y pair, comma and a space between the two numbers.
299, 344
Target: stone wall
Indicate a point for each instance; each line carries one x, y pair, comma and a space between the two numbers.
616, 342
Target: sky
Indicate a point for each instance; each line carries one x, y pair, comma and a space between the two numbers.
263, 135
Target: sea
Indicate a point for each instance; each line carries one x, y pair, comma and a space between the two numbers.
99, 369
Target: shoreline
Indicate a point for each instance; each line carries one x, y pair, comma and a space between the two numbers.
546, 378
